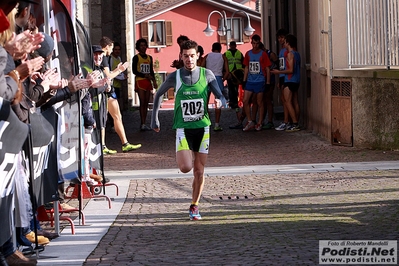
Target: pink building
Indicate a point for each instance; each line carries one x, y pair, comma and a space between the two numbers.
161, 22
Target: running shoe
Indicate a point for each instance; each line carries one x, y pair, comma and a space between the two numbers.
282, 126
249, 126
194, 213
293, 128
130, 147
269, 125
145, 128
258, 127
108, 151
236, 126
217, 128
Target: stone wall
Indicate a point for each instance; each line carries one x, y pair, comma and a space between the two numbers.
106, 18
375, 105
83, 13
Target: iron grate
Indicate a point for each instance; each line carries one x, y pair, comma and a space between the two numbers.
341, 87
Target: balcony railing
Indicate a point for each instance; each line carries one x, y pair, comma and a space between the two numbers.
373, 33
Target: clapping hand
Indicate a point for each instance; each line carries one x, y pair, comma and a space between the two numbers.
122, 67
50, 78
22, 44
77, 83
96, 80
28, 67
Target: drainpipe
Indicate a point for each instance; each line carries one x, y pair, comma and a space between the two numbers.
130, 20
265, 23
329, 32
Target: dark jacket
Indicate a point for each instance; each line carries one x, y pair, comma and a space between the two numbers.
34, 93
87, 111
30, 93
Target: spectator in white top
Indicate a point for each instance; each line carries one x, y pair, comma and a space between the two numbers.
218, 64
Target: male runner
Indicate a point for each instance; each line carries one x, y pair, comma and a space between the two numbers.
191, 119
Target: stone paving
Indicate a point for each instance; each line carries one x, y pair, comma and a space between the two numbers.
259, 219
232, 146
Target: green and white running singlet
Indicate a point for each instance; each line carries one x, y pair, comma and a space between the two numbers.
190, 109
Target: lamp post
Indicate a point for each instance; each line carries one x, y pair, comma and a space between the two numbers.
223, 28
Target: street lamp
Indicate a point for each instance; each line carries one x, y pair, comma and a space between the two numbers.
223, 27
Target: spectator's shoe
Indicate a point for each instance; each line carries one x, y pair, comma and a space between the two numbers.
217, 128
130, 147
18, 259
47, 234
237, 126
194, 213
108, 151
66, 206
97, 178
249, 126
145, 128
41, 240
90, 182
282, 126
269, 125
293, 128
258, 127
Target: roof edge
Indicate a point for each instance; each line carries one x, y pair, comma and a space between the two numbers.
181, 3
225, 5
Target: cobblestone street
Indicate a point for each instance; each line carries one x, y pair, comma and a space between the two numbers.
269, 220
232, 147
258, 219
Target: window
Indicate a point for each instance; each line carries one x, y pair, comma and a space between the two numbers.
234, 31
158, 33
